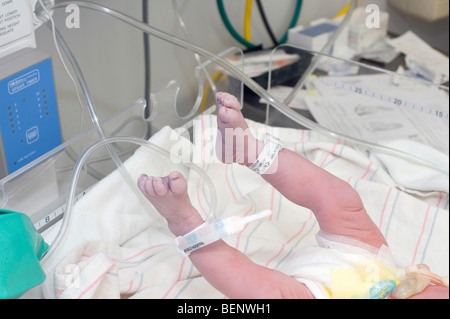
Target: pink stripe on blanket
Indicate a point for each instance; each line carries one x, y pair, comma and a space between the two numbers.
178, 279
95, 282
421, 234
384, 207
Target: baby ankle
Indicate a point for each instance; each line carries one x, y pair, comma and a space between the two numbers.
183, 226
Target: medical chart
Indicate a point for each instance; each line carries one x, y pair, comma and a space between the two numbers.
385, 114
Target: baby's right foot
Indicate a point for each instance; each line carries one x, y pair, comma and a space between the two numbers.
170, 198
235, 143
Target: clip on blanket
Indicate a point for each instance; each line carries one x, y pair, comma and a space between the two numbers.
207, 234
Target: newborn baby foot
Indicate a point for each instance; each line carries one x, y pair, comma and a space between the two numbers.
235, 143
170, 198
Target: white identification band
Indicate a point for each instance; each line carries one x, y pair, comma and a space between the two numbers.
207, 234
268, 155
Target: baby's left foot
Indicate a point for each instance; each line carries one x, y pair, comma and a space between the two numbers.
170, 198
235, 142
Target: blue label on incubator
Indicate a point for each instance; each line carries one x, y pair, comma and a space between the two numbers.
32, 135
24, 81
29, 116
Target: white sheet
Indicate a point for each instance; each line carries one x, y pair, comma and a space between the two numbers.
115, 249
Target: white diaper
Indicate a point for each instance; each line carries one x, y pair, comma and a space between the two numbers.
341, 267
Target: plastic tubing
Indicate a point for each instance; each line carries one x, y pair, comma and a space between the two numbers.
248, 20
266, 23
96, 122
79, 166
229, 26
251, 84
297, 11
343, 11
188, 37
95, 119
237, 36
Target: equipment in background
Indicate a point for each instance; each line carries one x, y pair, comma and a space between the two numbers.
29, 118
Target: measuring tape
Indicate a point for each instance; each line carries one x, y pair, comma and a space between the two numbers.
386, 98
54, 216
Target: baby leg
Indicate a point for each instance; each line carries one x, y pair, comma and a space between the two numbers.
336, 205
224, 267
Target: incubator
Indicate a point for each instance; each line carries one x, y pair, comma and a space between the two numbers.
400, 122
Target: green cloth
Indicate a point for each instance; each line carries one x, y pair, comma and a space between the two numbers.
21, 248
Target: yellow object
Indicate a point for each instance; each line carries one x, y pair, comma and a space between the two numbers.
371, 281
217, 76
343, 11
247, 20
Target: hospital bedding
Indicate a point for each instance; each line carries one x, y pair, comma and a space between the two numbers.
114, 248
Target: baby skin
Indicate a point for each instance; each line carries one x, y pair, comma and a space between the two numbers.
337, 207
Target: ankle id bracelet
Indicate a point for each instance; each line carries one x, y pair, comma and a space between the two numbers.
207, 233
272, 146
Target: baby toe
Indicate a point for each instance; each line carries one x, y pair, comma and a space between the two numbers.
159, 186
228, 100
228, 116
145, 184
177, 183
232, 102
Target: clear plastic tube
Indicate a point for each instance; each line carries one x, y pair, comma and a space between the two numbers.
95, 118
251, 84
186, 32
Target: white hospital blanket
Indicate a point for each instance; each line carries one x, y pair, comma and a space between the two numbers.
114, 248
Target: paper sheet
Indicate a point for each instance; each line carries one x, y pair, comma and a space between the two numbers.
427, 61
374, 119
